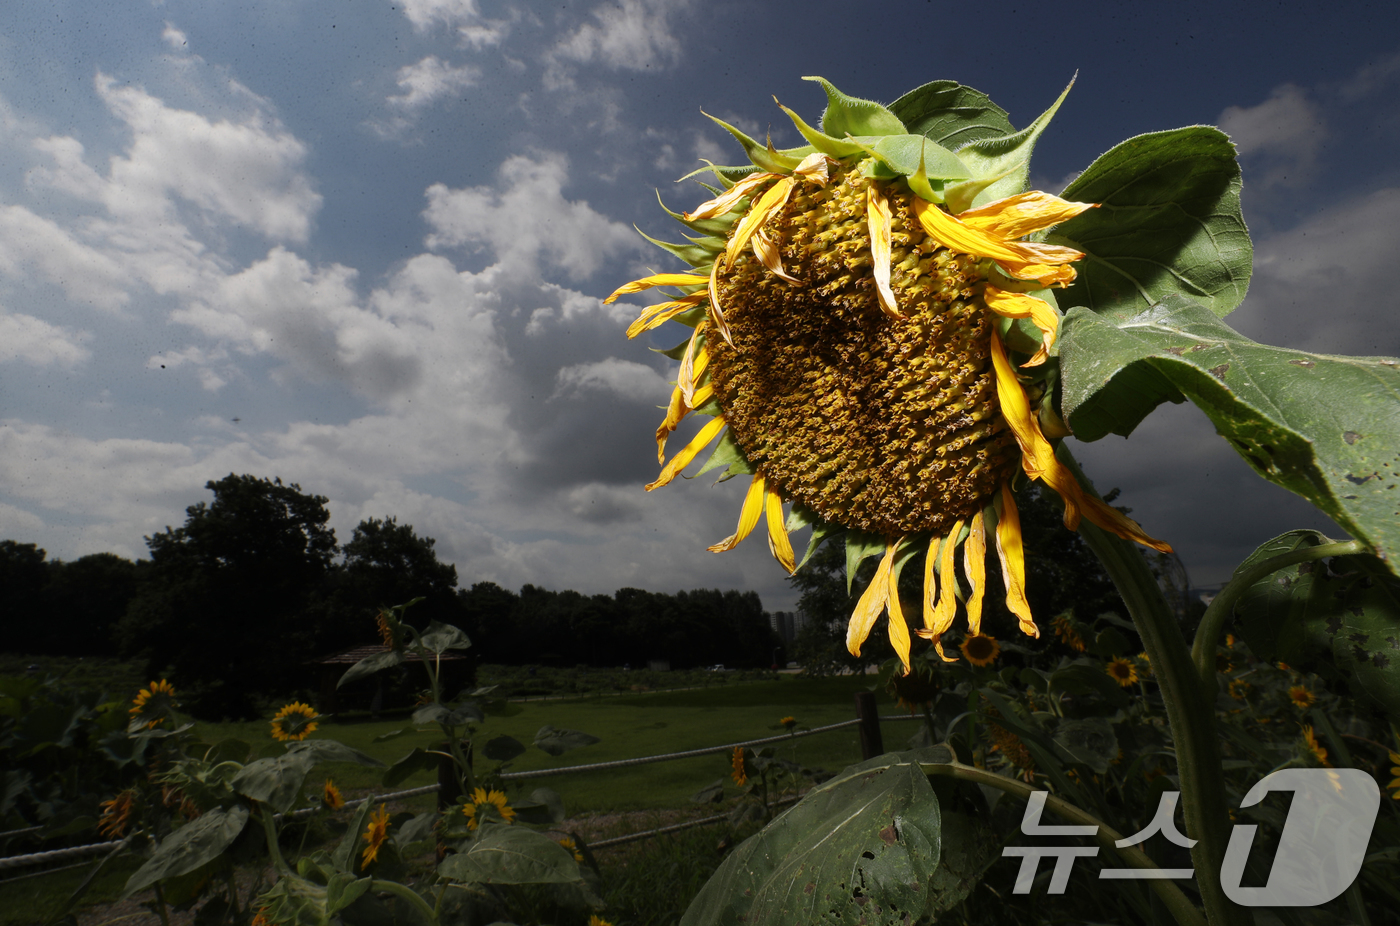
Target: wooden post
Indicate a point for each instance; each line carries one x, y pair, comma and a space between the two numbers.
871, 743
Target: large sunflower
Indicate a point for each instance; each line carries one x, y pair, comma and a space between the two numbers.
868, 348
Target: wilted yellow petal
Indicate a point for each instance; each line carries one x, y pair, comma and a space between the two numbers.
1019, 215
1019, 305
975, 568
778, 543
1013, 562
899, 631
947, 607
877, 216
748, 517
872, 603
681, 460
930, 581
773, 199
656, 279
717, 313
1111, 519
686, 376
677, 410
815, 168
657, 315
767, 252
1021, 259
726, 201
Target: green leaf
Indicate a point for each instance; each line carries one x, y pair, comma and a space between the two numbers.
1346, 616
697, 255
1090, 740
727, 453
275, 781
333, 751
1088, 677
196, 843
417, 829
1007, 157
950, 114
511, 855
902, 153
439, 638
848, 115
416, 761
557, 742
1323, 426
763, 156
503, 748
1168, 221
342, 890
863, 847
370, 665
801, 516
346, 853
712, 793
464, 713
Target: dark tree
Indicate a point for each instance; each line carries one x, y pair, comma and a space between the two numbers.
87, 597
223, 604
22, 577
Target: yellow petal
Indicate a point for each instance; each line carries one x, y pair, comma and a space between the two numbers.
975, 568
947, 607
773, 199
778, 543
1019, 305
767, 252
1013, 562
871, 604
657, 315
877, 216
726, 201
1021, 259
1022, 214
899, 631
1113, 520
748, 517
717, 313
930, 581
656, 279
815, 168
681, 460
677, 410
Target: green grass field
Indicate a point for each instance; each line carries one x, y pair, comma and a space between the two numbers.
628, 726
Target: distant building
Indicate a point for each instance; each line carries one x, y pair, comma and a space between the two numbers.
786, 624
659, 665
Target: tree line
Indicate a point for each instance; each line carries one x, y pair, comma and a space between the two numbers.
235, 604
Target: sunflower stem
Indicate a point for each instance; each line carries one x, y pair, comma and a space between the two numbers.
1172, 897
1222, 608
407, 893
1189, 713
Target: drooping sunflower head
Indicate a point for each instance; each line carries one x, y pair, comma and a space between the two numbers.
788, 723
331, 796
1122, 671
488, 806
980, 649
117, 814
873, 343
152, 705
294, 722
740, 772
375, 835
572, 848
1312, 749
1067, 630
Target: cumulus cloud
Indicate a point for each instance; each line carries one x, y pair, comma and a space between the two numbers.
625, 379
631, 35
35, 341
461, 16
32, 246
174, 37
526, 219
429, 79
1285, 130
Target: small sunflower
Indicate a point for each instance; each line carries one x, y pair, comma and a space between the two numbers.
1301, 697
153, 704
1122, 671
331, 796
1068, 632
572, 848
116, 814
1394, 786
852, 312
481, 798
1239, 689
787, 723
1313, 748
295, 721
388, 629
1144, 663
740, 774
1012, 748
980, 649
261, 919
596, 920
375, 834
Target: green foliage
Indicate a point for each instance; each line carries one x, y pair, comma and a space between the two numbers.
192, 846
950, 114
1319, 425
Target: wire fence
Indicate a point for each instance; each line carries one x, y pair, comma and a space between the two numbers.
55, 856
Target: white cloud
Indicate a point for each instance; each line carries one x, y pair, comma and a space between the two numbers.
625, 379
526, 219
1287, 128
461, 15
632, 35
174, 37
429, 79
32, 245
35, 341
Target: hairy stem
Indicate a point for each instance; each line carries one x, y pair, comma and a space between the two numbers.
1172, 897
1218, 615
1190, 714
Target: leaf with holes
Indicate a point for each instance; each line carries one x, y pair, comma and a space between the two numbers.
863, 847
1323, 426
1168, 221
1344, 615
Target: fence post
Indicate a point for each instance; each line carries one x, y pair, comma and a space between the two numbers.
871, 743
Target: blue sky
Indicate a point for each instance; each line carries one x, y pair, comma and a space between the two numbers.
363, 245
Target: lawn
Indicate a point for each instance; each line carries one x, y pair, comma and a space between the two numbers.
628, 726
